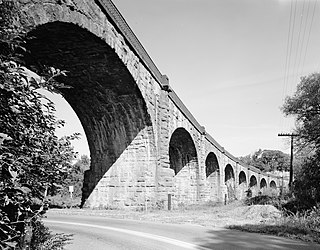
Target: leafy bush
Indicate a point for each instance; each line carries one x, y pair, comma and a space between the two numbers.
43, 239
306, 186
33, 161
263, 200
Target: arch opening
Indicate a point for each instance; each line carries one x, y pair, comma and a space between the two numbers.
253, 181
242, 178
228, 173
263, 183
101, 91
212, 164
273, 184
230, 182
182, 150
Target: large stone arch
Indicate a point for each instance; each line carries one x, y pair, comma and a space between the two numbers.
273, 184
109, 104
184, 162
213, 176
253, 181
263, 183
211, 164
242, 178
242, 184
229, 179
273, 188
253, 185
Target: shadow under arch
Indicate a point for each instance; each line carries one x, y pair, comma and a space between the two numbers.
184, 162
212, 164
242, 188
213, 177
253, 185
182, 150
228, 173
273, 184
253, 181
230, 182
103, 94
242, 178
263, 183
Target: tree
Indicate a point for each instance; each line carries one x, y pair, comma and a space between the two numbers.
32, 159
75, 179
305, 106
306, 185
268, 160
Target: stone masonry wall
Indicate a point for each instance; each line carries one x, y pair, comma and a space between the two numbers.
141, 176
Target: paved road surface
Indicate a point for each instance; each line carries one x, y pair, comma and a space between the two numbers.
95, 233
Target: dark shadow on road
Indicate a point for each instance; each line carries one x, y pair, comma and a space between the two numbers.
234, 239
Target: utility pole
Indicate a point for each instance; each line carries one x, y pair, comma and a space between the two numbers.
291, 156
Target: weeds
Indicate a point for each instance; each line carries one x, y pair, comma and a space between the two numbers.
301, 225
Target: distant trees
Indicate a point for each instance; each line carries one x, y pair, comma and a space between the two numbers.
75, 179
304, 105
268, 160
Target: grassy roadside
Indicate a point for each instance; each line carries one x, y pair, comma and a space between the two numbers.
265, 219
208, 215
303, 226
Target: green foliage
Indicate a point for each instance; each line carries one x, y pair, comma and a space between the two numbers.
75, 179
43, 239
305, 106
306, 186
32, 159
264, 200
268, 160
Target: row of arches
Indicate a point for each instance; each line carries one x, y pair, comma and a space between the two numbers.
183, 153
242, 178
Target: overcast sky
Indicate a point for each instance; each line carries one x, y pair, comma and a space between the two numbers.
231, 62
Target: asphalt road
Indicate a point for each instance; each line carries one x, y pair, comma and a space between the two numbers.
95, 233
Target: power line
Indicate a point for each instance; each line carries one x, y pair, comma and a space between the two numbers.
288, 55
291, 155
310, 28
303, 40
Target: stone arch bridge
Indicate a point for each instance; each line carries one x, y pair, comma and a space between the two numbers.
144, 143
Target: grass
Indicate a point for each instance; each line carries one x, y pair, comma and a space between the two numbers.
264, 219
304, 226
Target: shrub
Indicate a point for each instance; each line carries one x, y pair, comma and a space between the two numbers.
264, 200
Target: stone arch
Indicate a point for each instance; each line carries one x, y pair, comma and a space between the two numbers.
228, 173
273, 184
230, 182
253, 181
242, 184
213, 176
263, 183
184, 162
212, 164
242, 178
182, 150
109, 103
